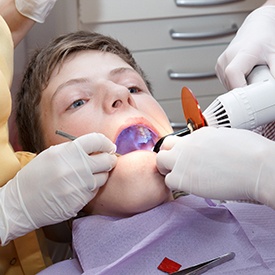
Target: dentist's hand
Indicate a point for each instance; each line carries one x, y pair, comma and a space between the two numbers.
55, 185
254, 44
221, 163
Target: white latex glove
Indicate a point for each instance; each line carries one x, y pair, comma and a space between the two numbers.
221, 163
55, 185
254, 44
37, 10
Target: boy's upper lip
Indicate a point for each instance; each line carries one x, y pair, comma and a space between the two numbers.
136, 134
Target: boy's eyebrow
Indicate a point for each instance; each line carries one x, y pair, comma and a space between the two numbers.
122, 70
69, 83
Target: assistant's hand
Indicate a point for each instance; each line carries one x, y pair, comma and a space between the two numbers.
221, 163
254, 44
37, 10
55, 185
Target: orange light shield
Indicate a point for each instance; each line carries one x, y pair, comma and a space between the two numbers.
191, 109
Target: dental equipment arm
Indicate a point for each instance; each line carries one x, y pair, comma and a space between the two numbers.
55, 185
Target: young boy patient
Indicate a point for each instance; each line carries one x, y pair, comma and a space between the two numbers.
86, 82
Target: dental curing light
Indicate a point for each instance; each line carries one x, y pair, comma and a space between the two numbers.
247, 107
244, 108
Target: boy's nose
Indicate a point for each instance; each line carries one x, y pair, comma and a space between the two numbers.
117, 98
117, 103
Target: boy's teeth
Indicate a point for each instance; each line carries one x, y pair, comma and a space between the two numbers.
136, 137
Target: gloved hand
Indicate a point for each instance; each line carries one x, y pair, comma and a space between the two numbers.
37, 10
221, 163
254, 44
55, 185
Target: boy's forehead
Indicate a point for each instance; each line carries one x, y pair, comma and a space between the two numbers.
87, 65
98, 56
94, 60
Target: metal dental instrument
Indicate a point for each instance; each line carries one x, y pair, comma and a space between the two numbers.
70, 137
205, 266
63, 134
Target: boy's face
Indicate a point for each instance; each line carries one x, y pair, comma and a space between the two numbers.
98, 92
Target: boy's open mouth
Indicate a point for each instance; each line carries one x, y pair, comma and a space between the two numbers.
135, 137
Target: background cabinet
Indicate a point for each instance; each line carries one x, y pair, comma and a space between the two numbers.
179, 36
182, 37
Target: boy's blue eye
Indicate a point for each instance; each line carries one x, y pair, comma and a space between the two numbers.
77, 103
133, 90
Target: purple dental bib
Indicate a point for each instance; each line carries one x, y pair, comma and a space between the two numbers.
188, 230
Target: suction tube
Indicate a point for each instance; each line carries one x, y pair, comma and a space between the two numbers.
247, 107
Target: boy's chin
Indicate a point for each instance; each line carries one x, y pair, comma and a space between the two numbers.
139, 153
140, 160
133, 186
